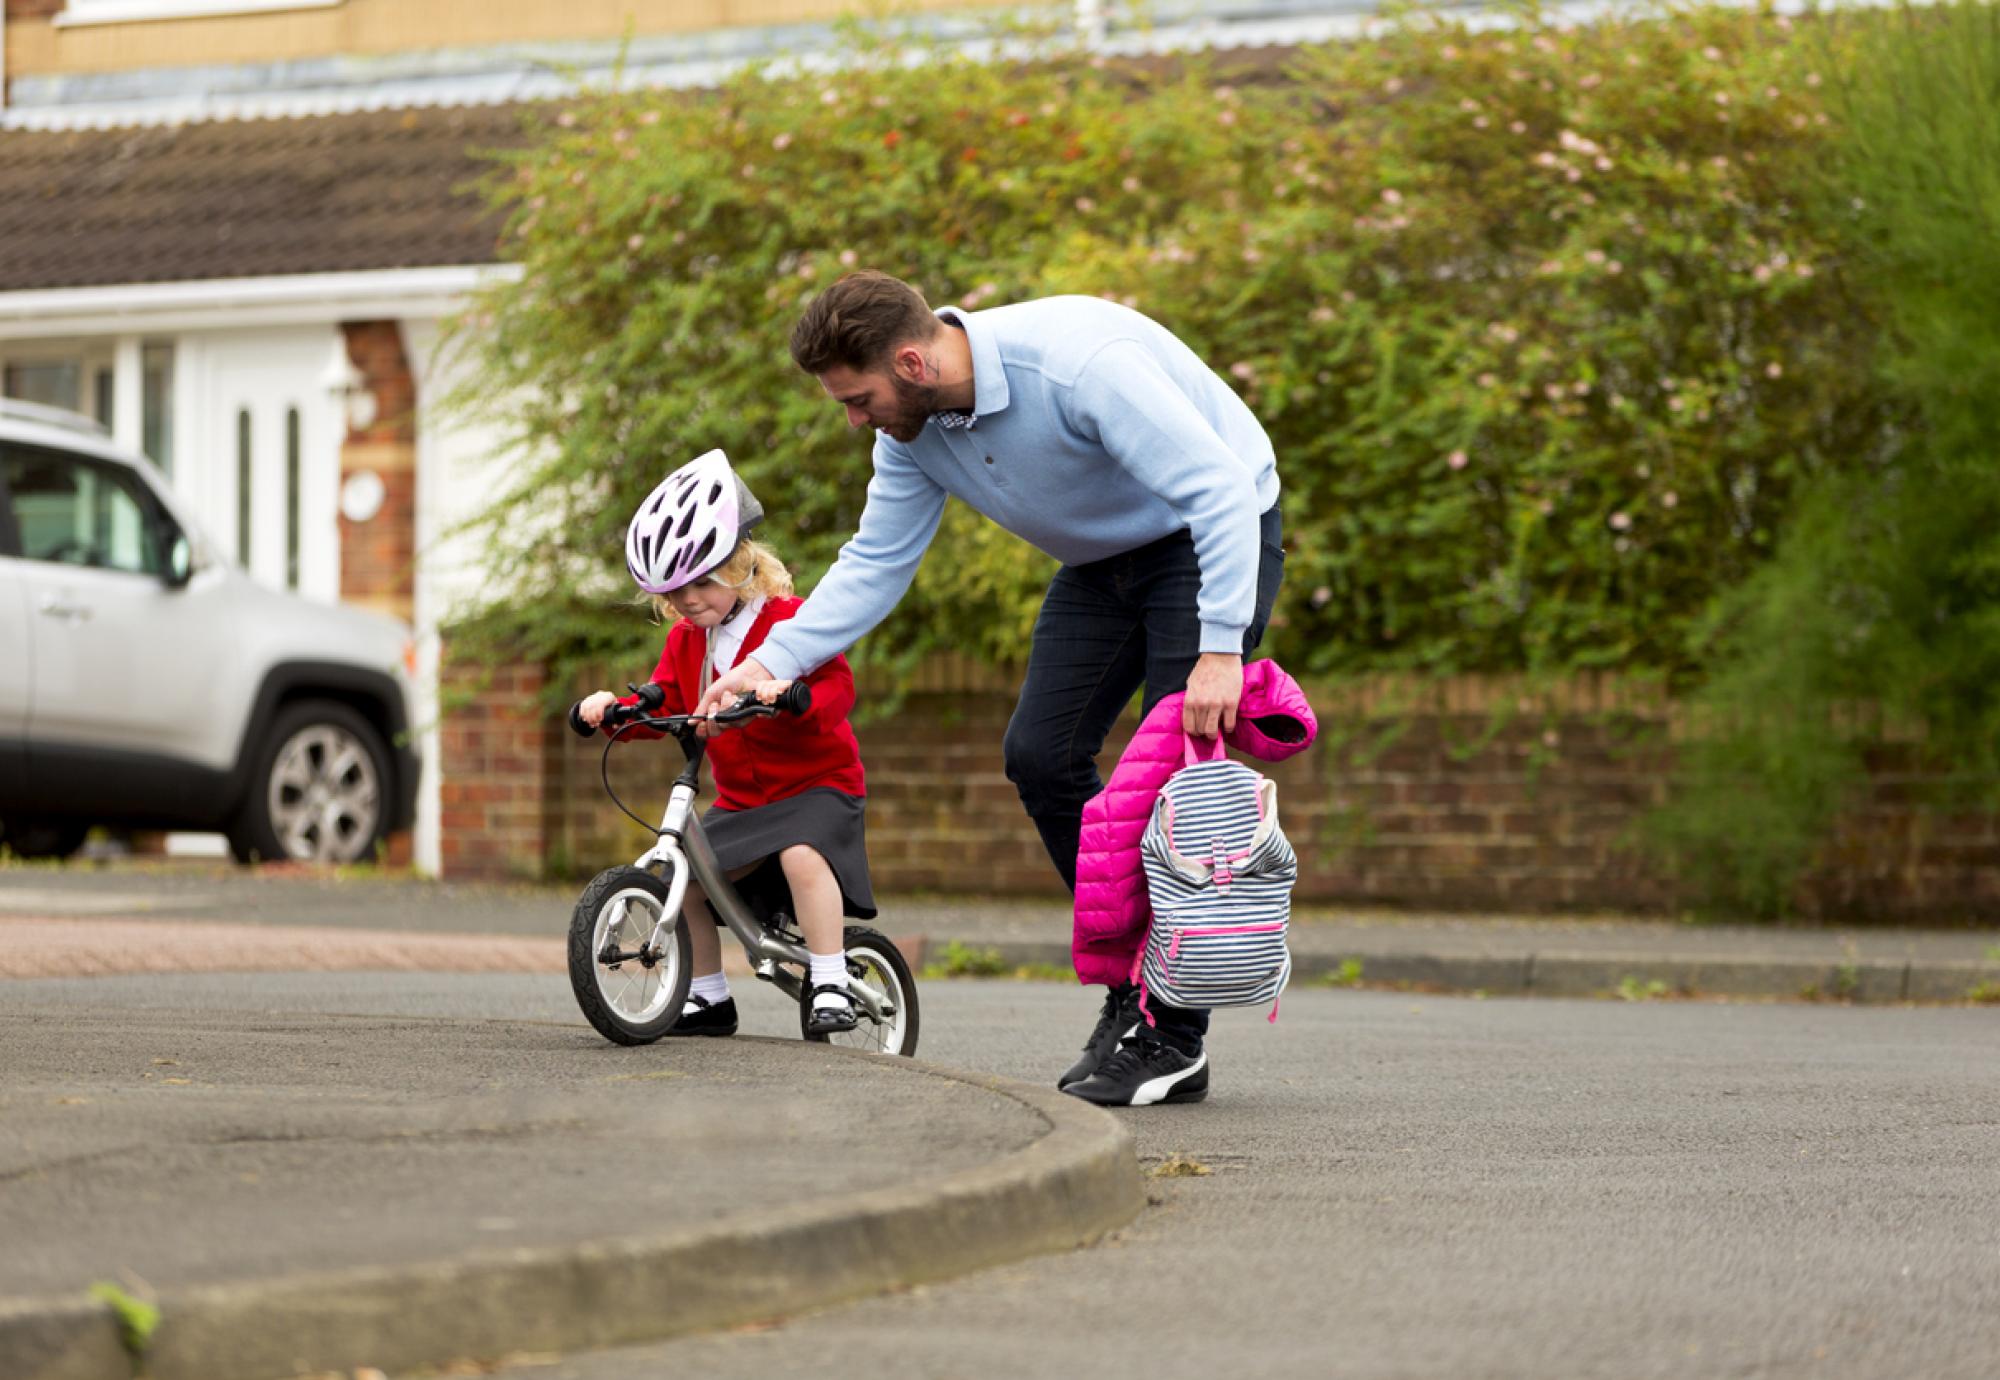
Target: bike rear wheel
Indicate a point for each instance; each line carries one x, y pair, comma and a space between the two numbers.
879, 965
628, 995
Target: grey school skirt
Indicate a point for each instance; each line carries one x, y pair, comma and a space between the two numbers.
829, 820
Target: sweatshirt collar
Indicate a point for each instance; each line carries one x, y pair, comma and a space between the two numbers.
989, 375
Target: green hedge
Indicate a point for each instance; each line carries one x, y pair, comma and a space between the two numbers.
1541, 322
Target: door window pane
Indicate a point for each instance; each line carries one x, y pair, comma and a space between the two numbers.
156, 405
292, 498
78, 512
243, 468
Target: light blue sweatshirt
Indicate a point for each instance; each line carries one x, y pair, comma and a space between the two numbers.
1096, 431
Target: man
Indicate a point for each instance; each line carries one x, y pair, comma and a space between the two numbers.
1093, 433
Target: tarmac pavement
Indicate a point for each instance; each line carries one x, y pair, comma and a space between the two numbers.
300, 1193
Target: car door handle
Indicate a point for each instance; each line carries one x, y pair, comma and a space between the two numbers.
56, 607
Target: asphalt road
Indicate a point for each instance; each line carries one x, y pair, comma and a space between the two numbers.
1422, 1187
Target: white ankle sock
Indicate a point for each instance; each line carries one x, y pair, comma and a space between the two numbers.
712, 988
829, 968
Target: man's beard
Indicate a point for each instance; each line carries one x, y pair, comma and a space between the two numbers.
915, 402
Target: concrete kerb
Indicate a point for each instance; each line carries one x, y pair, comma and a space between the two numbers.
1070, 1187
1600, 974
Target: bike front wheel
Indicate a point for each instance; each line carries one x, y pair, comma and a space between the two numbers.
878, 966
629, 993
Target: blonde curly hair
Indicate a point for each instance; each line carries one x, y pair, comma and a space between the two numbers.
753, 570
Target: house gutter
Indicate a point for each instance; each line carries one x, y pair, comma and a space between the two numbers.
215, 303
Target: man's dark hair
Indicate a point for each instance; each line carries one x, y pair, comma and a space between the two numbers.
858, 323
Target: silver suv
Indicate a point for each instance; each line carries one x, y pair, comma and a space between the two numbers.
146, 682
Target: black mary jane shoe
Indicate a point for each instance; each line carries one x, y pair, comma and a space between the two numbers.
708, 1018
830, 1020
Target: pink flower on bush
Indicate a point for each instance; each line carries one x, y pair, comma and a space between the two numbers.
1670, 499
1774, 370
1621, 522
781, 142
1244, 369
1457, 460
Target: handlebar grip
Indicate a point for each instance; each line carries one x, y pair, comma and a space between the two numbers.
576, 723
797, 699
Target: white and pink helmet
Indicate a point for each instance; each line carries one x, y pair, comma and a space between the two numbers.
690, 524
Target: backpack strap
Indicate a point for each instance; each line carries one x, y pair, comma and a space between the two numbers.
1189, 751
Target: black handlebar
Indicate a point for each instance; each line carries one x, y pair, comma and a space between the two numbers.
796, 699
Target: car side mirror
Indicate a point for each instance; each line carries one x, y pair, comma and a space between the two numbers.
180, 560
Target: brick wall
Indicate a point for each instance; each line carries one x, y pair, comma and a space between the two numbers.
1472, 795
496, 763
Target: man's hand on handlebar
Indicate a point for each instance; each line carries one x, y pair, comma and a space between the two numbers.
741, 679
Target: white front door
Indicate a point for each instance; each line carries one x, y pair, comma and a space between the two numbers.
264, 469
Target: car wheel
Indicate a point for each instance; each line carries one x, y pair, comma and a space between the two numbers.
319, 789
36, 840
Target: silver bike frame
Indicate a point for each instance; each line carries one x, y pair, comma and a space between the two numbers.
684, 851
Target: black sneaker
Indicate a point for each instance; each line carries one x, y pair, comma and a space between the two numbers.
1119, 1018
708, 1018
1144, 1072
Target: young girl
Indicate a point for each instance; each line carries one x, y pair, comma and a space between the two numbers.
789, 789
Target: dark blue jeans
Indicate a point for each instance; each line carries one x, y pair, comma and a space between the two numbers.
1106, 629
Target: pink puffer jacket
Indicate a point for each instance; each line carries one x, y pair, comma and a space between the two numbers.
1273, 721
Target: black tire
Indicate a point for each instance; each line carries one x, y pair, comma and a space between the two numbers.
604, 991
871, 958
42, 839
320, 789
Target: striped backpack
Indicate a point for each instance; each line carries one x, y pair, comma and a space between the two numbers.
1219, 871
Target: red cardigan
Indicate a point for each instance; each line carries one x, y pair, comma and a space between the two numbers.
763, 760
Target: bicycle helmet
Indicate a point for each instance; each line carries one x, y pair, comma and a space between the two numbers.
689, 524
